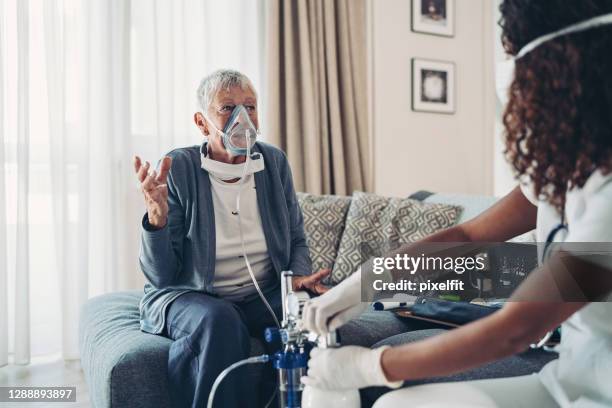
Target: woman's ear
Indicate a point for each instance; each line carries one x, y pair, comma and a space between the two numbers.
200, 122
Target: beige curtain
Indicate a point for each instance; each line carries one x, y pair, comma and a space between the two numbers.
317, 92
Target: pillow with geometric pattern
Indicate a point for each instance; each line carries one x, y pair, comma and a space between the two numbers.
324, 217
383, 223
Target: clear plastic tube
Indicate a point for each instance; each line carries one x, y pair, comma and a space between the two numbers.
264, 358
244, 254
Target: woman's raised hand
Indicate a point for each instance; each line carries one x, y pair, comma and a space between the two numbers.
155, 189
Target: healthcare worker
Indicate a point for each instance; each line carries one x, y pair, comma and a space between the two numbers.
558, 129
197, 236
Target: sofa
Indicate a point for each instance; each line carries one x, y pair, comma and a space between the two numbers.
125, 367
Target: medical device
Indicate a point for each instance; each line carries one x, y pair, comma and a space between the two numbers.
239, 133
291, 361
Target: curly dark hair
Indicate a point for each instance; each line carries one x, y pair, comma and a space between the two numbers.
558, 121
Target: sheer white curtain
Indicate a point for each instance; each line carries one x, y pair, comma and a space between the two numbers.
84, 85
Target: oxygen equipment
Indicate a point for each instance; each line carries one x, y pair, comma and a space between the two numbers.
291, 362
239, 133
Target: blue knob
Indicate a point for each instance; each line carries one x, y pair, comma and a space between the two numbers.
272, 334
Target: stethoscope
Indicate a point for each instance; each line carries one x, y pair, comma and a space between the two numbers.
561, 227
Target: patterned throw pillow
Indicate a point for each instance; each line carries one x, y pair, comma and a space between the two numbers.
324, 217
381, 223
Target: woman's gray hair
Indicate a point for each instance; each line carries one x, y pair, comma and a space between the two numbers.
218, 80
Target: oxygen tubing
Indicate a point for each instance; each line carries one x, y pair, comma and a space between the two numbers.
264, 358
244, 254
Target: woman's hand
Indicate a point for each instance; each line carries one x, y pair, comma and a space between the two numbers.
155, 190
342, 303
312, 283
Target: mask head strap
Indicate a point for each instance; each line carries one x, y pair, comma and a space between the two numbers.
594, 22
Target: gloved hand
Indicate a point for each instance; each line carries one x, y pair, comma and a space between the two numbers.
348, 367
340, 304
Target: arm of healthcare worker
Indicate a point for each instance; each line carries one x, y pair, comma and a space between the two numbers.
536, 308
162, 225
510, 216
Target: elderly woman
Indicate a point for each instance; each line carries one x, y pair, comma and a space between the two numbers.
200, 292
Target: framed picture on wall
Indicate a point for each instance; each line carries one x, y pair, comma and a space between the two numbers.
434, 17
433, 86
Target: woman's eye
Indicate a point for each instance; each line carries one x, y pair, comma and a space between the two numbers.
227, 108
251, 108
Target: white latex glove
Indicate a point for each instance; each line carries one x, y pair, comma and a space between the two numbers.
331, 310
348, 367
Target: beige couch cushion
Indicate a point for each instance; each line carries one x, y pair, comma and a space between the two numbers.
324, 218
381, 223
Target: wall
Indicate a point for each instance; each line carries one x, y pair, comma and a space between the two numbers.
503, 180
437, 152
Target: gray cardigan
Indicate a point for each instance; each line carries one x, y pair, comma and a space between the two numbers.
180, 257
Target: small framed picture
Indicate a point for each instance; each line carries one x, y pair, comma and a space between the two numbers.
433, 86
434, 17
